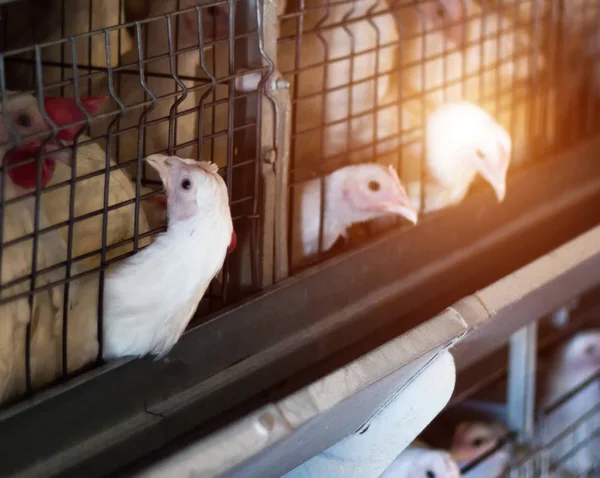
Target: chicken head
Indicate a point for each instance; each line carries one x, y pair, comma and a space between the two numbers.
463, 140
472, 440
371, 190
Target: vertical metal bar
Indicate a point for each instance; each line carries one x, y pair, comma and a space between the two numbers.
276, 122
283, 132
324, 112
230, 124
521, 381
70, 229
423, 110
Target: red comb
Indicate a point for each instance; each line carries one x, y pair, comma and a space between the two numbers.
233, 243
64, 111
26, 174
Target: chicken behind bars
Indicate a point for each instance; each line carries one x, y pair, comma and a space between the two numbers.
454, 50
573, 422
463, 141
89, 158
353, 194
29, 22
473, 440
23, 117
146, 313
340, 67
175, 86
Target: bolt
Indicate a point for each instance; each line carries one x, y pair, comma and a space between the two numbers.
266, 423
279, 84
270, 156
282, 84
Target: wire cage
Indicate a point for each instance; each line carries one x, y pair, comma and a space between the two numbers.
564, 401
367, 76
285, 98
569, 431
565, 441
146, 78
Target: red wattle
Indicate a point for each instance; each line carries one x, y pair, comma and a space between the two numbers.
64, 111
233, 243
160, 199
25, 176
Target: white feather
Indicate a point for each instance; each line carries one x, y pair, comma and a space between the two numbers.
338, 212
17, 263
150, 298
455, 132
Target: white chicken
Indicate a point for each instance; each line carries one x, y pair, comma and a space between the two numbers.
463, 141
353, 194
336, 104
144, 313
54, 20
438, 68
23, 115
472, 440
567, 427
417, 461
89, 158
172, 113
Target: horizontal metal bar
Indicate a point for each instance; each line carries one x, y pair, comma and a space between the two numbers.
486, 373
528, 294
222, 368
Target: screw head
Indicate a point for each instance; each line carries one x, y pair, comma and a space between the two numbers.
270, 156
282, 83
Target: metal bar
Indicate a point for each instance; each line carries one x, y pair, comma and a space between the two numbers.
521, 381
273, 163
221, 368
517, 299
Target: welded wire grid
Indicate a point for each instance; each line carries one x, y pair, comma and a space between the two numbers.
169, 79
569, 432
365, 75
566, 442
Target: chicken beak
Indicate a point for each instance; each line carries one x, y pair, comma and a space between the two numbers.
500, 190
404, 209
160, 164
497, 179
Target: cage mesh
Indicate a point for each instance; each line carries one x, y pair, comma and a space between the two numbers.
366, 75
166, 72
566, 442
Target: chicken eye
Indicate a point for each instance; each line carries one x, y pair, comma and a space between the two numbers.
480, 154
430, 474
374, 185
441, 11
477, 442
186, 184
589, 350
24, 120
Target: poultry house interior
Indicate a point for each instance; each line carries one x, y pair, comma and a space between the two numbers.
207, 207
